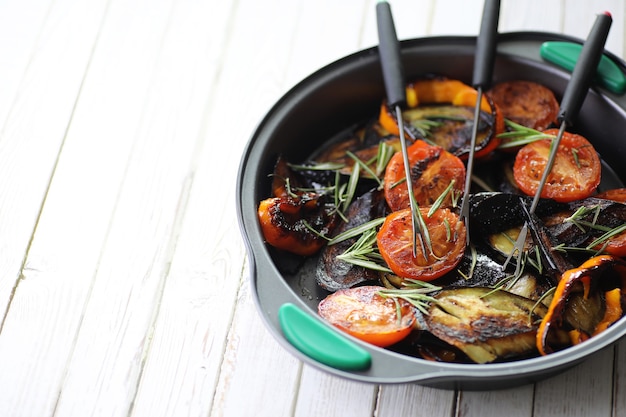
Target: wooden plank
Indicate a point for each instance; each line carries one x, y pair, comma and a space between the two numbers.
22, 23
322, 394
518, 401
412, 19
252, 354
42, 100
414, 400
150, 208
201, 290
531, 15
465, 20
50, 301
582, 391
38, 91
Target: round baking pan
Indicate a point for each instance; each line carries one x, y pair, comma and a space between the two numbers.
334, 99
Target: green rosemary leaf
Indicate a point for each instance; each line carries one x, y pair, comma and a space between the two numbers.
384, 154
356, 231
351, 189
606, 236
540, 300
315, 232
364, 166
520, 135
364, 263
440, 199
575, 156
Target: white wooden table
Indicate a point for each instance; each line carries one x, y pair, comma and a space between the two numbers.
123, 280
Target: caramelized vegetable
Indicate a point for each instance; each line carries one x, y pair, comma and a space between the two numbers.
432, 171
574, 175
287, 223
332, 272
446, 237
365, 314
599, 271
442, 111
526, 103
486, 325
476, 310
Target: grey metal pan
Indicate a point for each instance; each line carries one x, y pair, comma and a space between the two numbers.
345, 92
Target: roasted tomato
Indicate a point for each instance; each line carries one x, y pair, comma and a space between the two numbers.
575, 174
286, 223
526, 103
367, 315
446, 235
432, 170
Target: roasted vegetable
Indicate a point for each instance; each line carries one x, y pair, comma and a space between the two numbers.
367, 315
575, 174
433, 170
486, 325
441, 110
526, 102
443, 240
296, 224
351, 200
334, 273
601, 273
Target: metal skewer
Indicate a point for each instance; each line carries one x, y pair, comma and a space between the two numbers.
389, 49
483, 70
574, 95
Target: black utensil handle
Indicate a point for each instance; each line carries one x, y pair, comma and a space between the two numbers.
389, 50
486, 45
585, 69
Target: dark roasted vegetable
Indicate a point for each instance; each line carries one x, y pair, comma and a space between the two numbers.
333, 273
486, 325
598, 275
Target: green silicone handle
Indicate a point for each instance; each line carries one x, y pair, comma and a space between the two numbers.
565, 55
320, 342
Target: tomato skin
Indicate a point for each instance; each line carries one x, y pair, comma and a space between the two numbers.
432, 169
368, 316
572, 178
395, 243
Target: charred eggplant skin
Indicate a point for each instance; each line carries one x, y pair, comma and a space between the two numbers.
334, 274
484, 324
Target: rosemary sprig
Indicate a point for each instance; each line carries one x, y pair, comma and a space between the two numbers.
606, 236
415, 292
520, 135
315, 232
384, 154
363, 253
351, 188
439, 201
424, 126
356, 231
545, 295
